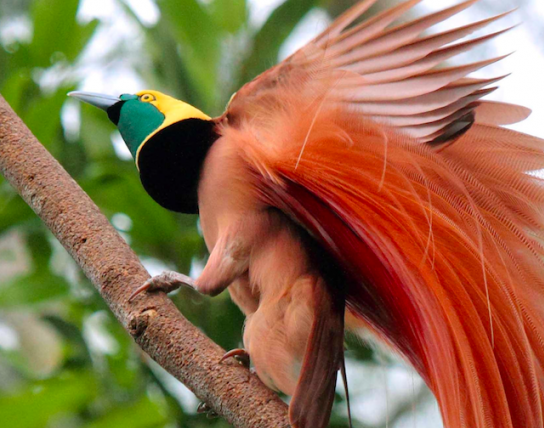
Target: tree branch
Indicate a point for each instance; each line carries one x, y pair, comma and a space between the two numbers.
152, 319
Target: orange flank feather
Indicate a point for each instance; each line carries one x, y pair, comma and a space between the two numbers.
443, 248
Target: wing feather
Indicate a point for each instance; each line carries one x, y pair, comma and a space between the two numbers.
497, 113
410, 52
343, 21
369, 29
427, 62
414, 86
405, 34
393, 74
434, 115
424, 103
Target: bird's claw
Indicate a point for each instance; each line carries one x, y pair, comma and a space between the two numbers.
205, 408
239, 355
167, 281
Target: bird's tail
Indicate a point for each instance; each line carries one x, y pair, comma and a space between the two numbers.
445, 246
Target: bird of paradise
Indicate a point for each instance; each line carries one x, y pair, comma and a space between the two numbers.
358, 185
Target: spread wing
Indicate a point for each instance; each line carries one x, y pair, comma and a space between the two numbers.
392, 74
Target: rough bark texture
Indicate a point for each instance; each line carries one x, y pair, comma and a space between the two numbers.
151, 319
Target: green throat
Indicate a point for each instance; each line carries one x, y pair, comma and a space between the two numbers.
137, 120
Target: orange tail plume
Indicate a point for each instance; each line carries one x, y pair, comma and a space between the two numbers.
443, 245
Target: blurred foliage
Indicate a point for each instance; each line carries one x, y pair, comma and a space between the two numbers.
64, 359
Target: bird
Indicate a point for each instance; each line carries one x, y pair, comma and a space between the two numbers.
363, 184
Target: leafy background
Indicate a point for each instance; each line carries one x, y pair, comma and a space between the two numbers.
64, 360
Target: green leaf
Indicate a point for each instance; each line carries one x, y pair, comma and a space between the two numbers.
77, 352
43, 118
34, 406
13, 210
56, 30
168, 71
30, 289
358, 349
271, 36
15, 86
193, 26
199, 35
231, 15
40, 249
142, 414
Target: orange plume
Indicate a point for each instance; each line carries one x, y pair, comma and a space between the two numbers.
443, 246
404, 175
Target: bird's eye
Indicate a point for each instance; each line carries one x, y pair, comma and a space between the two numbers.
146, 98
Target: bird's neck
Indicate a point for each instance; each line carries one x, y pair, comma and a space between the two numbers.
170, 163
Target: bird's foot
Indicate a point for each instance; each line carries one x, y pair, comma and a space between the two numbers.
167, 281
239, 355
204, 408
